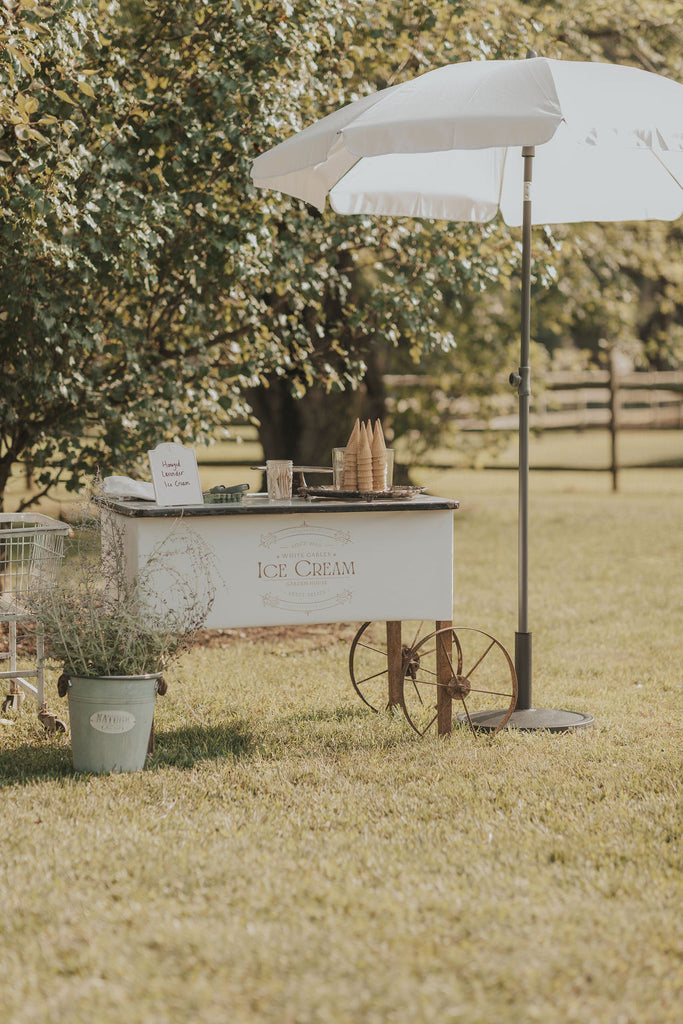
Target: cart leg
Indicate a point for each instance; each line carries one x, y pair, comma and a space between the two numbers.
395, 664
13, 646
16, 696
40, 667
444, 672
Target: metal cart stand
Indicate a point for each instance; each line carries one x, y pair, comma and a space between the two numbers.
31, 550
384, 563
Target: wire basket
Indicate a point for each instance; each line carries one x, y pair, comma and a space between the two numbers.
31, 550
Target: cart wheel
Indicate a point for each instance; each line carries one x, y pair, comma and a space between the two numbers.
14, 701
481, 678
368, 661
49, 721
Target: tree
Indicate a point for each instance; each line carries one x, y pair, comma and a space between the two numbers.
150, 293
128, 240
105, 349
596, 286
589, 281
146, 286
369, 287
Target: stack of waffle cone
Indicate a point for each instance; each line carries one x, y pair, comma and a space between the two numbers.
379, 459
364, 461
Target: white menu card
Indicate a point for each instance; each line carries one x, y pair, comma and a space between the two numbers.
175, 475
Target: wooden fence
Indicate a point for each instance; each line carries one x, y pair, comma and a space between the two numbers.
594, 398
574, 400
562, 400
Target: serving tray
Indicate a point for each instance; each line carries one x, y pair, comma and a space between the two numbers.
392, 494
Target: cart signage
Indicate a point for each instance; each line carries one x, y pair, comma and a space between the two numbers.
284, 569
307, 567
304, 568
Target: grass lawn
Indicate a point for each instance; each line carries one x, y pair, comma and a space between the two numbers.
290, 858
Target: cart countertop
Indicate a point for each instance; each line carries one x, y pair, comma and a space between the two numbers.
259, 504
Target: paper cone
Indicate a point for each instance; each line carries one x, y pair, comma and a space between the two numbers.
352, 443
364, 462
379, 459
350, 474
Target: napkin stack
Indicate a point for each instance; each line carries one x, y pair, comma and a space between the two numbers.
365, 458
126, 487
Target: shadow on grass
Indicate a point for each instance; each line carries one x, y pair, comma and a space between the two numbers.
675, 463
186, 746
33, 762
320, 729
331, 714
176, 748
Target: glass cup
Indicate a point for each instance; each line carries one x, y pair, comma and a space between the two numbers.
279, 479
338, 470
337, 467
390, 469
385, 484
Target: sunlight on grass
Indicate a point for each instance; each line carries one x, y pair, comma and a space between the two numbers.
290, 857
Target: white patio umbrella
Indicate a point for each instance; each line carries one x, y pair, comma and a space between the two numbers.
604, 142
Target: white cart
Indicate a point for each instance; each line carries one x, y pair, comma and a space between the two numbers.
384, 563
31, 551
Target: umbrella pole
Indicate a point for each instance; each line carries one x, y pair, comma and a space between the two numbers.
525, 716
523, 636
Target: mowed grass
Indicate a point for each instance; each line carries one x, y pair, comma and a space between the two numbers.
287, 856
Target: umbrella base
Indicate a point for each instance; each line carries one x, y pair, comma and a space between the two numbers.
531, 719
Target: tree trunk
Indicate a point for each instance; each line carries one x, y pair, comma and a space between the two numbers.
306, 429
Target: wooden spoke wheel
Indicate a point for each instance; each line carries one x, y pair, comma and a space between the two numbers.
464, 664
369, 660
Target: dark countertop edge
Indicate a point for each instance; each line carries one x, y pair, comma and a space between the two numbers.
147, 510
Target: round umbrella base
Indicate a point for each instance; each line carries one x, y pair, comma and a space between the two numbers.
532, 718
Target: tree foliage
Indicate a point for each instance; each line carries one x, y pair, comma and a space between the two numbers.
145, 284
148, 292
118, 248
616, 285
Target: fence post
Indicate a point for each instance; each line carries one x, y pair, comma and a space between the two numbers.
613, 417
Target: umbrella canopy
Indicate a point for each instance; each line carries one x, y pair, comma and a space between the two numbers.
602, 142
369, 156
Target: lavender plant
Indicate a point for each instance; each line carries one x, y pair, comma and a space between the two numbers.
98, 620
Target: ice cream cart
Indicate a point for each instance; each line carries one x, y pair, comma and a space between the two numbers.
381, 563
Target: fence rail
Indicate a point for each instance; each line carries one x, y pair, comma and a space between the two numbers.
562, 400
573, 400
568, 400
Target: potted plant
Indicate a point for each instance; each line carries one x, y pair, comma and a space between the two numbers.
114, 635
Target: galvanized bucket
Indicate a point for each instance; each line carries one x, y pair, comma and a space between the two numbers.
111, 721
